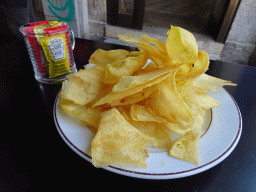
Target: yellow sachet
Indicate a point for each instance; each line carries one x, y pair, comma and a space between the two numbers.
55, 50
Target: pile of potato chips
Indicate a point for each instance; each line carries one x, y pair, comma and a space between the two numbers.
131, 105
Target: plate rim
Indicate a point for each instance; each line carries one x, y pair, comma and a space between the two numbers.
144, 175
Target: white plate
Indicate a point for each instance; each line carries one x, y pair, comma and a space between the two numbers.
224, 126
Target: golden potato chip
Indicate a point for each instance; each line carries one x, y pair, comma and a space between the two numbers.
102, 57
127, 66
184, 68
186, 148
92, 74
140, 113
167, 103
160, 136
68, 105
207, 82
131, 106
196, 128
73, 89
176, 128
156, 49
145, 113
156, 43
180, 83
129, 82
92, 128
134, 85
199, 67
197, 114
82, 87
105, 89
189, 96
181, 45
91, 116
207, 101
117, 142
134, 98
200, 90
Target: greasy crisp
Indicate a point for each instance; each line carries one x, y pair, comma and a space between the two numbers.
131, 105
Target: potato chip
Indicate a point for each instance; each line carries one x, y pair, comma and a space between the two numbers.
127, 66
181, 45
134, 98
160, 136
134, 85
131, 106
145, 113
68, 105
186, 148
129, 82
91, 75
73, 89
199, 67
156, 43
117, 142
82, 87
91, 116
92, 128
184, 68
207, 82
140, 113
176, 128
167, 102
102, 57
196, 128
156, 49
105, 89
207, 101
180, 83
189, 96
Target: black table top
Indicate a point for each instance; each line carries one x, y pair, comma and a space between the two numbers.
33, 155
